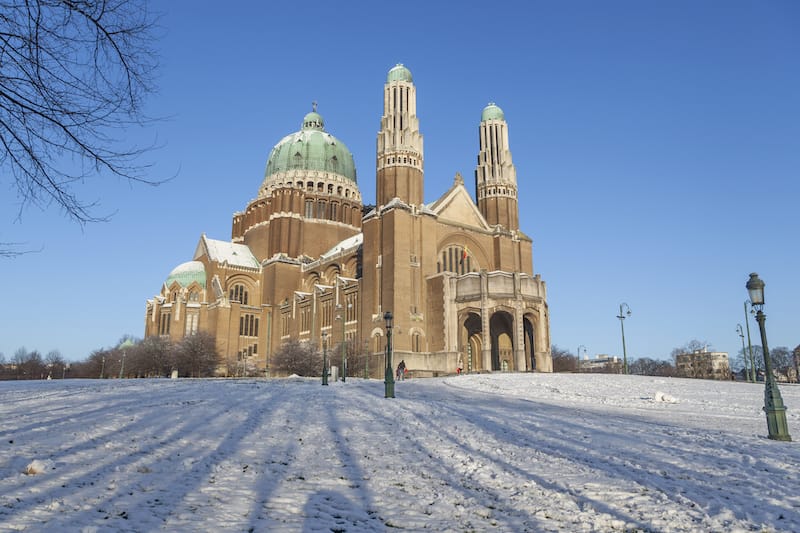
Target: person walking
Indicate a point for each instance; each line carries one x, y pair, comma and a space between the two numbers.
401, 370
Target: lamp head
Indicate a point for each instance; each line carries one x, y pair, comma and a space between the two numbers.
755, 287
387, 316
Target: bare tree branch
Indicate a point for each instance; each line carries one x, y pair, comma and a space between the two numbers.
73, 78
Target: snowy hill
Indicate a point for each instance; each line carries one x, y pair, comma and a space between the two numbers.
516, 452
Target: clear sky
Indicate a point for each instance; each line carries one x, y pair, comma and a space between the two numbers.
657, 147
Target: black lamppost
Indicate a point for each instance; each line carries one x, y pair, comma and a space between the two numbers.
621, 317
324, 358
581, 347
740, 331
389, 376
749, 344
773, 403
341, 316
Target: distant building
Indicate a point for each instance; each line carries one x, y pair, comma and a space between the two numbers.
703, 364
308, 260
602, 363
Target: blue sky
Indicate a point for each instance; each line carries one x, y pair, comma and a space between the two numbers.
657, 147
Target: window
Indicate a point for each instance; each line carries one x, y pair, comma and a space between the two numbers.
333, 211
194, 296
163, 326
309, 208
321, 208
238, 294
457, 259
248, 325
192, 320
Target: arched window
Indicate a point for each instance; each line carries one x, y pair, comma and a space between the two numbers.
457, 259
238, 294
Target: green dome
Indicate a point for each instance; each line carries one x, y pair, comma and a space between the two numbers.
187, 273
492, 112
399, 73
311, 148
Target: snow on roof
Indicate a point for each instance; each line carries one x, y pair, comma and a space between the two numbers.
223, 251
347, 244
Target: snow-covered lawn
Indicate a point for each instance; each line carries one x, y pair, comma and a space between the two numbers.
514, 452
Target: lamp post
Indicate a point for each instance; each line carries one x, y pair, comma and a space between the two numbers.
324, 358
621, 317
341, 316
749, 344
740, 331
773, 403
389, 376
579, 351
366, 359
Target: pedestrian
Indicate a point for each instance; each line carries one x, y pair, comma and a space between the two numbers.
401, 370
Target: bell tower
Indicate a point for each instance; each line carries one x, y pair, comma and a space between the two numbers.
495, 175
399, 147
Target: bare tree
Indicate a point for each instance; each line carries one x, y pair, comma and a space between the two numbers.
296, 357
55, 364
563, 360
781, 358
691, 346
647, 366
151, 358
196, 355
73, 76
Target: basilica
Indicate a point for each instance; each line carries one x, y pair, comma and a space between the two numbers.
309, 260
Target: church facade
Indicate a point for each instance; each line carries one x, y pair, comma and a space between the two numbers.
309, 260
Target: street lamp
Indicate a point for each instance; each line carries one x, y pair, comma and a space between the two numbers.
621, 317
744, 353
366, 359
389, 376
341, 316
579, 351
324, 358
773, 403
749, 344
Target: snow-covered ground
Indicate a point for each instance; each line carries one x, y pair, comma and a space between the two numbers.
514, 452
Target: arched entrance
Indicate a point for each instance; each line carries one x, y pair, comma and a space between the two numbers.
501, 327
472, 342
530, 344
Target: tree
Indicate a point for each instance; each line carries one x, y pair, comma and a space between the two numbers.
296, 357
742, 359
152, 357
196, 355
645, 366
55, 364
691, 346
73, 76
781, 358
29, 365
563, 360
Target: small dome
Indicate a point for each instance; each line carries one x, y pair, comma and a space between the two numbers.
187, 273
492, 112
399, 73
313, 121
311, 148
